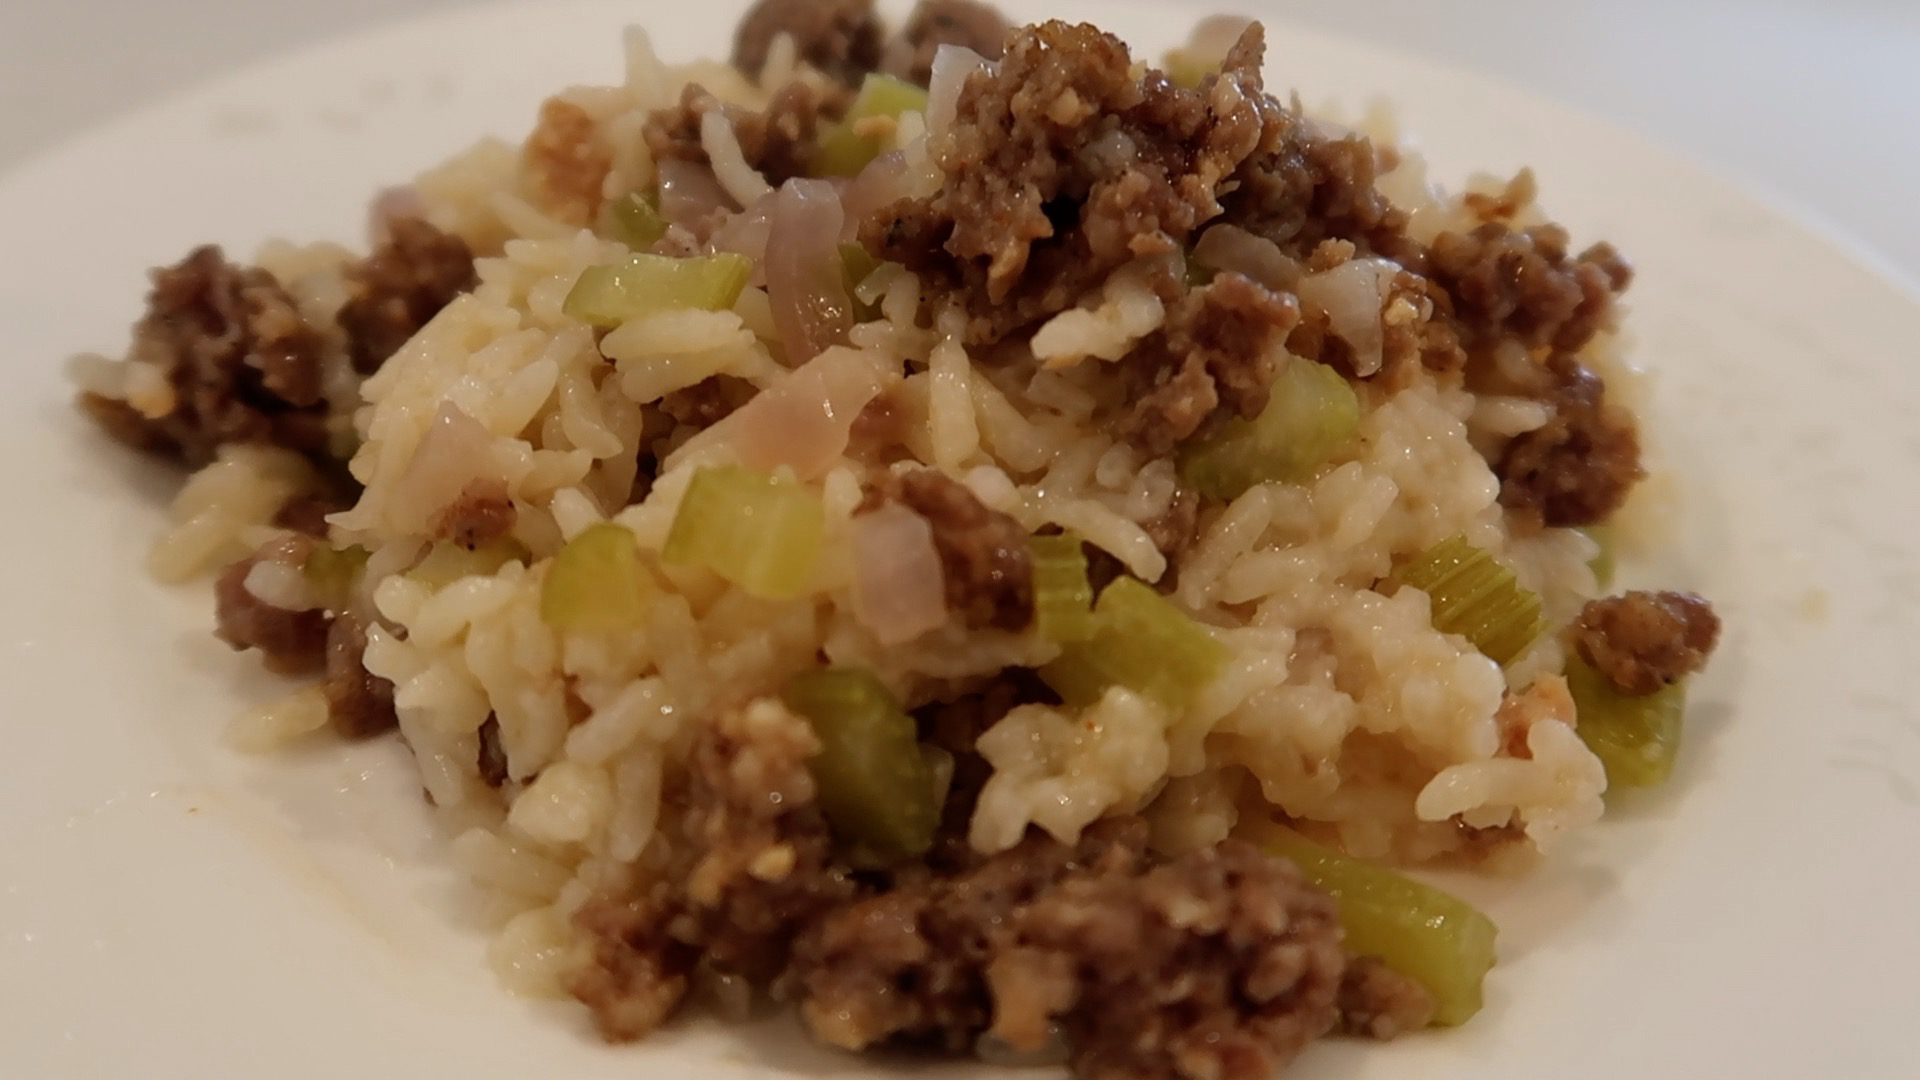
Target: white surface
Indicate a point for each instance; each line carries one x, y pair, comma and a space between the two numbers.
1815, 99
169, 910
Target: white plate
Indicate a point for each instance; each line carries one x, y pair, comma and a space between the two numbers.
168, 909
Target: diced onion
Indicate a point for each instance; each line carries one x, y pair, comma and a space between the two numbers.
1353, 294
899, 591
1230, 248
882, 183
811, 308
801, 422
952, 64
455, 451
689, 193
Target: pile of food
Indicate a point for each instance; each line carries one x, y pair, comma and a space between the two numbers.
993, 543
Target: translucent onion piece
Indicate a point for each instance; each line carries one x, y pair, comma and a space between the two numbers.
1353, 295
899, 590
811, 305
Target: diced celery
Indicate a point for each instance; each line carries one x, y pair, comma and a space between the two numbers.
1062, 595
596, 584
856, 265
448, 563
1313, 414
1198, 274
332, 571
634, 220
644, 284
1143, 642
875, 786
1636, 738
1476, 597
1426, 934
844, 149
1605, 559
885, 95
758, 531
1187, 70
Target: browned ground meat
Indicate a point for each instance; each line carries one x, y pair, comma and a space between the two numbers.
1216, 352
1223, 963
567, 162
777, 142
1416, 331
911, 963
243, 365
967, 23
1579, 467
1379, 1002
839, 37
1643, 641
482, 512
492, 759
359, 703
289, 641
1509, 284
1303, 187
752, 864
1061, 166
637, 974
393, 292
984, 556
1220, 964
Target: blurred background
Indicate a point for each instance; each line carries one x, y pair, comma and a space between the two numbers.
1812, 103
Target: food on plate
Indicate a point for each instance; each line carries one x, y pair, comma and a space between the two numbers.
994, 543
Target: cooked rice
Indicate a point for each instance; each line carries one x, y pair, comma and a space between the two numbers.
1342, 707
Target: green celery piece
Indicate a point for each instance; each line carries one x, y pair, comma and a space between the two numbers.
634, 220
596, 584
448, 563
1062, 595
1476, 597
643, 284
1142, 642
332, 571
1311, 415
1606, 560
856, 265
1185, 70
761, 532
875, 785
1636, 738
842, 150
1428, 935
